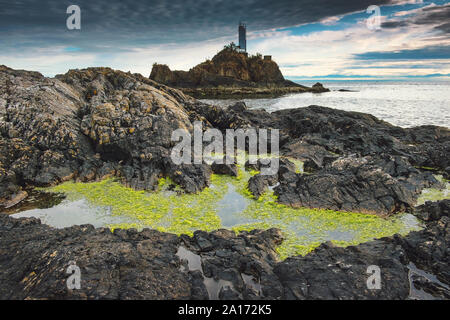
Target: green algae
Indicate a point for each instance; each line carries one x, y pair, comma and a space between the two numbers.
305, 229
163, 210
427, 168
433, 194
170, 210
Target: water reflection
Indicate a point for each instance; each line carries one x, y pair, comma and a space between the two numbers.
69, 213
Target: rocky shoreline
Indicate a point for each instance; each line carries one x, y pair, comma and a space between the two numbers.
250, 92
126, 264
91, 124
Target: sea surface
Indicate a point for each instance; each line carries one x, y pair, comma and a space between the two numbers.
405, 104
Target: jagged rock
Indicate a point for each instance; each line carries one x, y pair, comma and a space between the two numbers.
238, 107
258, 184
35, 257
435, 290
312, 164
90, 124
192, 178
224, 168
429, 248
126, 264
17, 198
433, 211
318, 87
228, 67
369, 184
341, 273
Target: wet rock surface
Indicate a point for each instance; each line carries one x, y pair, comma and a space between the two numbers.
89, 125
429, 249
341, 273
120, 265
378, 185
355, 161
126, 264
259, 183
97, 123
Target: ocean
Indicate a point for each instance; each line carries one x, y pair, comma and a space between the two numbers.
405, 104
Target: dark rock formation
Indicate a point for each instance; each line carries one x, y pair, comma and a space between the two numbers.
96, 123
127, 264
429, 249
224, 168
259, 183
230, 73
318, 87
358, 162
433, 211
90, 124
120, 265
346, 90
341, 273
228, 67
373, 185
447, 173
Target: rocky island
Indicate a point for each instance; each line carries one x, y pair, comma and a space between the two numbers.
98, 123
231, 74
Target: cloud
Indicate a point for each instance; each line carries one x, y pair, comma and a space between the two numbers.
412, 11
354, 48
138, 23
432, 52
130, 36
433, 15
394, 24
330, 21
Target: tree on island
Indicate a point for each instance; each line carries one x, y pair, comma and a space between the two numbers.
232, 47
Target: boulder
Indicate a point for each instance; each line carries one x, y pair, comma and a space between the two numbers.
369, 184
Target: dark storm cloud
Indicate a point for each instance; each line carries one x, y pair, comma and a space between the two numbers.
107, 24
437, 16
427, 53
434, 15
394, 24
444, 27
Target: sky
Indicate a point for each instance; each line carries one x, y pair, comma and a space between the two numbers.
309, 39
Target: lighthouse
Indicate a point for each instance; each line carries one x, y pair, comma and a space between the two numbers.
242, 37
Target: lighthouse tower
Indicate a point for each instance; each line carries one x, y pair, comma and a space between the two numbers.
242, 37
